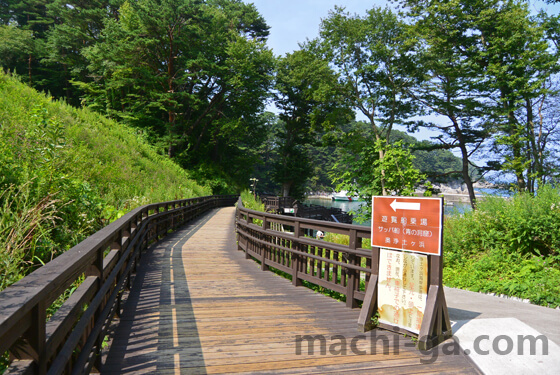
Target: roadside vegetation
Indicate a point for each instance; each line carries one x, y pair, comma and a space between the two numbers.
507, 247
251, 201
65, 173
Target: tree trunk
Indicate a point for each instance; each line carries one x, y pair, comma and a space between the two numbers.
381, 153
516, 147
465, 161
383, 190
534, 147
170, 90
29, 69
466, 176
286, 189
66, 81
170, 149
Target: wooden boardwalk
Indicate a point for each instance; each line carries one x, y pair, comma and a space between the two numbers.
199, 307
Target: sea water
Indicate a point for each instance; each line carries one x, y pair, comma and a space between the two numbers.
346, 206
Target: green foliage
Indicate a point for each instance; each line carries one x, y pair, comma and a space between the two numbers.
500, 271
396, 167
15, 46
360, 169
334, 146
429, 189
309, 102
192, 75
4, 361
485, 68
64, 173
323, 157
343, 239
371, 55
437, 164
525, 224
375, 319
78, 25
251, 202
517, 69
267, 153
508, 246
31, 23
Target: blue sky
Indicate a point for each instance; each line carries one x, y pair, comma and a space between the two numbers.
292, 21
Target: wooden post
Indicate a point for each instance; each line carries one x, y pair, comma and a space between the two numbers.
264, 248
117, 245
369, 307
351, 274
238, 218
296, 281
34, 347
96, 269
436, 326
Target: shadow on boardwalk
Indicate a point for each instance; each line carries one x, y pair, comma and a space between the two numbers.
158, 322
199, 307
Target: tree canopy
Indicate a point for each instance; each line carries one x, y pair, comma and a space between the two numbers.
194, 78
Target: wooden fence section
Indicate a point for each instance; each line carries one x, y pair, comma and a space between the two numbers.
70, 340
287, 244
277, 204
316, 212
288, 205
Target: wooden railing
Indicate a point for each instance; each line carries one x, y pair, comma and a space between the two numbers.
287, 244
277, 204
71, 340
317, 212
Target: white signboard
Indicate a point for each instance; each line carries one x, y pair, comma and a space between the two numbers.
402, 289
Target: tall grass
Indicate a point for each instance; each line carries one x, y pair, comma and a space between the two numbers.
25, 223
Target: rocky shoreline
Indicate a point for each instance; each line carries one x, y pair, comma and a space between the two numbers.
457, 187
454, 191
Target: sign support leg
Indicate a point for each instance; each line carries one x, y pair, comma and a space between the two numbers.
369, 307
436, 326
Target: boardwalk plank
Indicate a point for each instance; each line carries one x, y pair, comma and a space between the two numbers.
199, 307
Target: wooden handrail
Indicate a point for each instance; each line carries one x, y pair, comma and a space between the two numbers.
287, 244
70, 341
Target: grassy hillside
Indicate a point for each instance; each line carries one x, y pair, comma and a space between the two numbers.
66, 172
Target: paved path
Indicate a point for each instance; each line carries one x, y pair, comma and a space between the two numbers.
504, 336
199, 307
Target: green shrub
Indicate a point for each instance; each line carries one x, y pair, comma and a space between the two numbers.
251, 201
507, 246
525, 224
